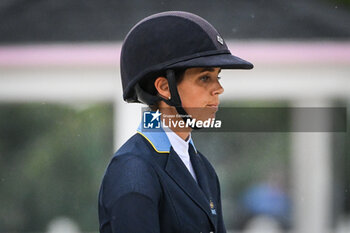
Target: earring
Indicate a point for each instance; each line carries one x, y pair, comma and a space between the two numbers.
169, 97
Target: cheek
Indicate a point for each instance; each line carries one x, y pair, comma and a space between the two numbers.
194, 97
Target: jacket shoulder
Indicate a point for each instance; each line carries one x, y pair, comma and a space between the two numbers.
135, 145
128, 172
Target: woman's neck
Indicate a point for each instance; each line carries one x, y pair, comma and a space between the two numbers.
169, 115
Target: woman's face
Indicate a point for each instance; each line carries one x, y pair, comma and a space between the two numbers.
199, 91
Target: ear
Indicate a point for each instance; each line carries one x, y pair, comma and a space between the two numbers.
162, 86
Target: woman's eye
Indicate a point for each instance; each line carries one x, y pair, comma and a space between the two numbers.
204, 78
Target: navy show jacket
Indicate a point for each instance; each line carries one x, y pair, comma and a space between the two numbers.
148, 189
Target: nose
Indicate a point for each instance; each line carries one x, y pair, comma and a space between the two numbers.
218, 89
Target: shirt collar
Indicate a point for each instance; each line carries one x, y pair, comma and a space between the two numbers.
158, 139
179, 145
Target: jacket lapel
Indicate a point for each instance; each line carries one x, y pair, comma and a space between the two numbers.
202, 178
179, 173
177, 170
198, 167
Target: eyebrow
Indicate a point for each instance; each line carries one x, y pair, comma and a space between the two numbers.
210, 69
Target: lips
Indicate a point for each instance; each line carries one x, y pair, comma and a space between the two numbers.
214, 106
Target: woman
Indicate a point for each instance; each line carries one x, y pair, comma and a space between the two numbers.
157, 181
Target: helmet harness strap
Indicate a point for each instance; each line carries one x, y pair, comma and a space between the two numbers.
175, 99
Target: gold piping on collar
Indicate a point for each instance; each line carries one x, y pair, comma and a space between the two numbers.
152, 144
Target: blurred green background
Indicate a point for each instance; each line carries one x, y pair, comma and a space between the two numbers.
52, 159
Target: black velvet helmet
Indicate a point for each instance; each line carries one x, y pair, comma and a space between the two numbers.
167, 41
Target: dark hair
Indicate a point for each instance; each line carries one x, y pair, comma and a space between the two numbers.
147, 83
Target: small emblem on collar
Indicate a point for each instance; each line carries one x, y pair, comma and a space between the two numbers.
212, 207
220, 40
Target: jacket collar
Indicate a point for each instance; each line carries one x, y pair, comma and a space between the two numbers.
158, 139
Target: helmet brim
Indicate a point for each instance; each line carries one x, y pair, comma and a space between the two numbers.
224, 61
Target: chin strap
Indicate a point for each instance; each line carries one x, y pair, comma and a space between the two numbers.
175, 99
